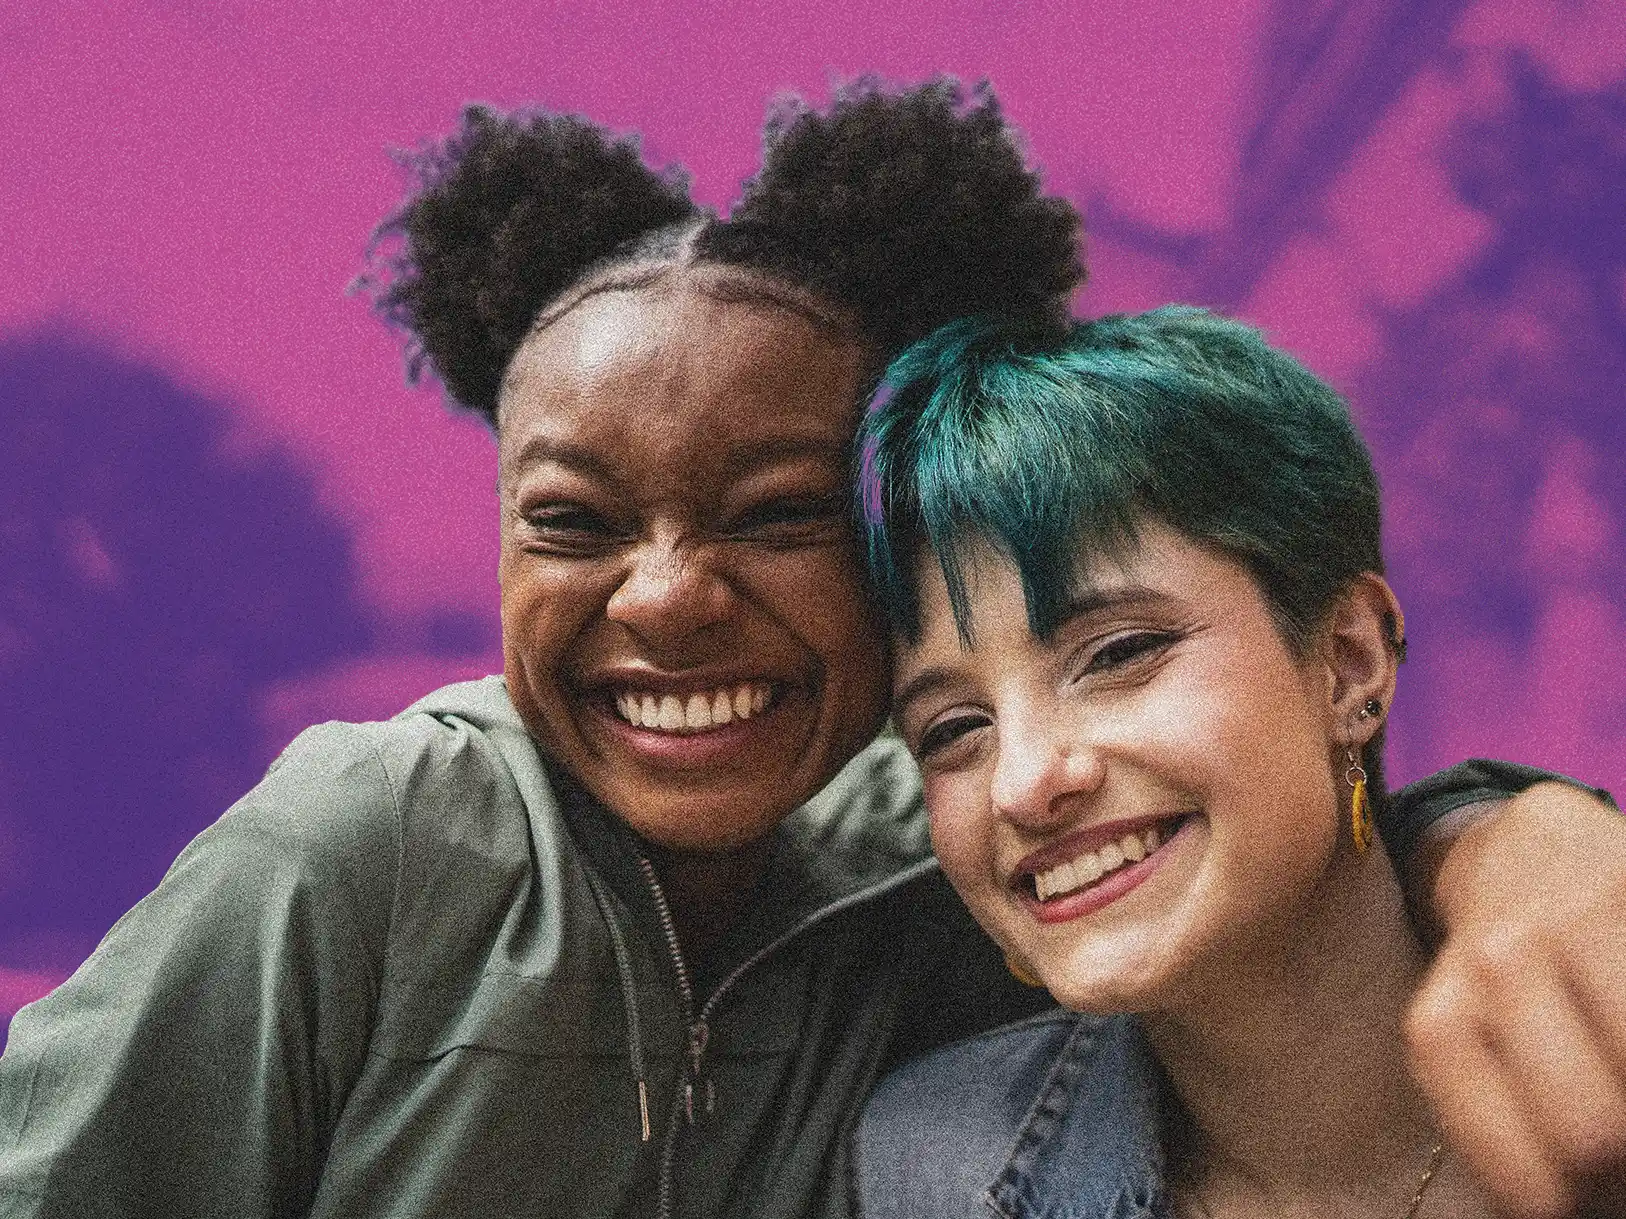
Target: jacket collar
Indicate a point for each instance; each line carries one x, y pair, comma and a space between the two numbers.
863, 835
1092, 1144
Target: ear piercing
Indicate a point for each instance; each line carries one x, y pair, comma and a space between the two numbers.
1360, 808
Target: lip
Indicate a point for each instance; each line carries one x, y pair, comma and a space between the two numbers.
642, 680
1086, 838
1103, 892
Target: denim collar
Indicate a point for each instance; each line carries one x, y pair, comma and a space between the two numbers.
1091, 1146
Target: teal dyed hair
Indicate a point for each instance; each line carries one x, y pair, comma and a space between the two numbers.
1055, 447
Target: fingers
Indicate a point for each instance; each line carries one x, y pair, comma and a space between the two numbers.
1480, 1114
1597, 983
1521, 1048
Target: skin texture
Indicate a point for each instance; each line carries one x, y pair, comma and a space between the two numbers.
1519, 1030
1271, 960
674, 519
1174, 695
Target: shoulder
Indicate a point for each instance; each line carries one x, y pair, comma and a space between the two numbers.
946, 1130
870, 812
349, 810
938, 1129
357, 790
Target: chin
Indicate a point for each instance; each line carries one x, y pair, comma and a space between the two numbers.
1126, 973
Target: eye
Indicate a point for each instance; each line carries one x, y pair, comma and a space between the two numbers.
1125, 649
570, 529
945, 732
789, 517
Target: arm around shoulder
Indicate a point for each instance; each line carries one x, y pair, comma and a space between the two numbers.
1518, 1033
195, 1063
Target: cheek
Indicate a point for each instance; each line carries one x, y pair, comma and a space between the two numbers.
819, 598
1274, 816
962, 834
545, 607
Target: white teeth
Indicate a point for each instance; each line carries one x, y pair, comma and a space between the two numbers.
1093, 865
671, 713
698, 711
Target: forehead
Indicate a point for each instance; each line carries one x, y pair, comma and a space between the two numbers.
674, 376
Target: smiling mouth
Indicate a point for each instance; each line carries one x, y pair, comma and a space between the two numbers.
1091, 867
700, 711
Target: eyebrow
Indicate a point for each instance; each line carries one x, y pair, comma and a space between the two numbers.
927, 681
749, 458
581, 458
1085, 601
741, 458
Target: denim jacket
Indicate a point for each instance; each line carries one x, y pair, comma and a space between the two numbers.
1058, 1117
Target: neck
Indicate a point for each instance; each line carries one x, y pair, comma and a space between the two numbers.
1288, 1053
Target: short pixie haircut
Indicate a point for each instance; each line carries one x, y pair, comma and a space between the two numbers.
1055, 444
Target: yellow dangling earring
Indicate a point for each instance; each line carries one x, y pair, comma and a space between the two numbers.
1360, 808
1022, 972
1360, 811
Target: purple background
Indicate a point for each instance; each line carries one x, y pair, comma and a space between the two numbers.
223, 516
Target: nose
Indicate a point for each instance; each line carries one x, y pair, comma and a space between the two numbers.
670, 592
1044, 767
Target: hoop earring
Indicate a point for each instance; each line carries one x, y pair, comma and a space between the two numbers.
1360, 809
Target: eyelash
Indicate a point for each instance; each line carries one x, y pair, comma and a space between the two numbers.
573, 529
1126, 648
788, 513
570, 528
945, 732
1115, 653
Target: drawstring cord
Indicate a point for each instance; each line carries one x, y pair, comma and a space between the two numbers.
629, 1000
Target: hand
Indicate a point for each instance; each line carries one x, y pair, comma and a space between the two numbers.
1518, 1034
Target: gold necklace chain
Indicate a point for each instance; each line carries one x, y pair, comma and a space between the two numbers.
1422, 1186
1412, 1208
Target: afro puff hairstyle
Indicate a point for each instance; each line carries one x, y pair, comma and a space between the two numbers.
903, 209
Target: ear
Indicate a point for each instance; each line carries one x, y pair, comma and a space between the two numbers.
1360, 650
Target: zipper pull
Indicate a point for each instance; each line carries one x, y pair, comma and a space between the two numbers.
699, 1034
688, 1101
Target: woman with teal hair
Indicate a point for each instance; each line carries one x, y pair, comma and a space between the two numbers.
1145, 655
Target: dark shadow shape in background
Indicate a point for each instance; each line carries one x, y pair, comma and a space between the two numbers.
151, 587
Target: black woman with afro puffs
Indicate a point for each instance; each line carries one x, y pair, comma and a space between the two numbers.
631, 929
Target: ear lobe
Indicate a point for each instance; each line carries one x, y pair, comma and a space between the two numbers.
1361, 655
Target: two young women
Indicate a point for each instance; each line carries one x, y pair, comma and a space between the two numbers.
609, 935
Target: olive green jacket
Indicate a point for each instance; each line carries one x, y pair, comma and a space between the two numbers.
406, 977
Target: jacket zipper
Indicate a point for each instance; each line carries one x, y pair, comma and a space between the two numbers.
683, 1098
698, 1023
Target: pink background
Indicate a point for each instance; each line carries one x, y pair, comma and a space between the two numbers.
1421, 198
